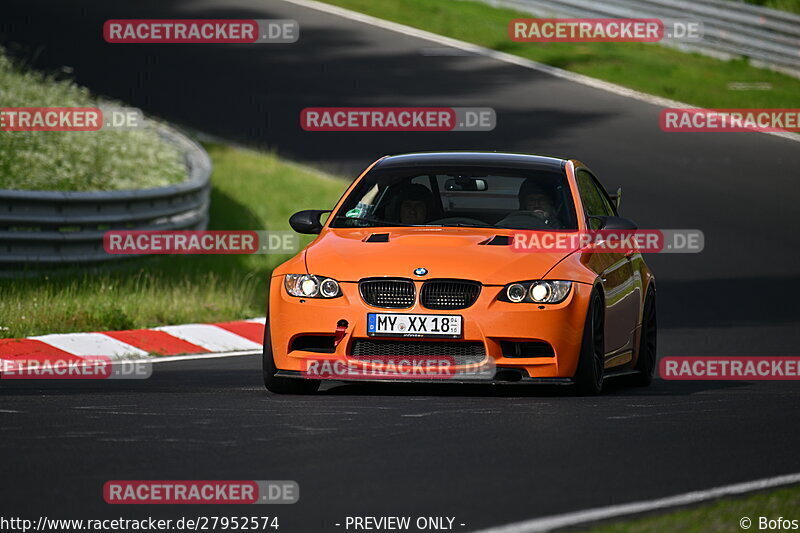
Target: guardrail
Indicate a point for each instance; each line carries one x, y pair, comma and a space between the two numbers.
770, 38
56, 228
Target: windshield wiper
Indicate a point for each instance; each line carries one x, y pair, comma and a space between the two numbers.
377, 222
458, 225
373, 221
463, 225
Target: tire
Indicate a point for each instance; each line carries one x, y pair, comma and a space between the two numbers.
646, 360
591, 364
280, 385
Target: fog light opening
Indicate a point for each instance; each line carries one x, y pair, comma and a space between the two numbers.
508, 375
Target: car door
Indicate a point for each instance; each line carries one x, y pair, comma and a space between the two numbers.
616, 270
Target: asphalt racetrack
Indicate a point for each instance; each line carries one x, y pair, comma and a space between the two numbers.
486, 456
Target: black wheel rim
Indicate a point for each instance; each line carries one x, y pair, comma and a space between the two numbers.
598, 346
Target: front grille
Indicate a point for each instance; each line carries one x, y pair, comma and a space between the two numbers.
463, 353
449, 294
388, 293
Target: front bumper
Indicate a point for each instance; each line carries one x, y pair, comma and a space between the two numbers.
498, 378
488, 321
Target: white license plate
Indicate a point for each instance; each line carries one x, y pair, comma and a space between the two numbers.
399, 325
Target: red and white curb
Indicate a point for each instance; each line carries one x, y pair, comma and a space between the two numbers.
164, 343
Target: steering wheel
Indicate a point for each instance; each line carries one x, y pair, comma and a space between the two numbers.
526, 219
459, 220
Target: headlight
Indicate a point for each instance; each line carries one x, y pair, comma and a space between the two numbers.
539, 291
311, 286
516, 292
550, 292
329, 288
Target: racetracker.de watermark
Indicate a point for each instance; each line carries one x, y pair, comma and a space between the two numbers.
87, 367
70, 118
201, 492
195, 31
671, 241
398, 119
399, 367
595, 30
153, 242
730, 368
729, 120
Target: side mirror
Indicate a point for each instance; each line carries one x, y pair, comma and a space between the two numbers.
616, 198
617, 223
307, 221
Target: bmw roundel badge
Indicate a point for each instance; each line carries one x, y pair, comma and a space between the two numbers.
420, 271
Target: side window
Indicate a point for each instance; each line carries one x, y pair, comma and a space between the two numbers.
607, 207
594, 201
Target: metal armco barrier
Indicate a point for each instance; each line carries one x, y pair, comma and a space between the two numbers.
55, 227
770, 38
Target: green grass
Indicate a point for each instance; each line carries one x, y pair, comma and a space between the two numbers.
792, 6
654, 69
717, 517
251, 191
76, 161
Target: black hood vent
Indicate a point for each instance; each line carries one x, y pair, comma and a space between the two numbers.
498, 240
378, 237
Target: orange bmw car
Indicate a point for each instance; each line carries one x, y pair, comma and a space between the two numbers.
415, 260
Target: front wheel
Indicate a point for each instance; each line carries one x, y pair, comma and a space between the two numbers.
280, 385
591, 364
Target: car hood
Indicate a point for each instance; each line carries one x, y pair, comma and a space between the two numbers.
352, 254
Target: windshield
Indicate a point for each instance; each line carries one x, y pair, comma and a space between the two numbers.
460, 197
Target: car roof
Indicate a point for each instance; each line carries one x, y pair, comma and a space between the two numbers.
478, 159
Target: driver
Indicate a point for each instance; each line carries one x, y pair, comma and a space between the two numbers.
535, 198
415, 204
537, 210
